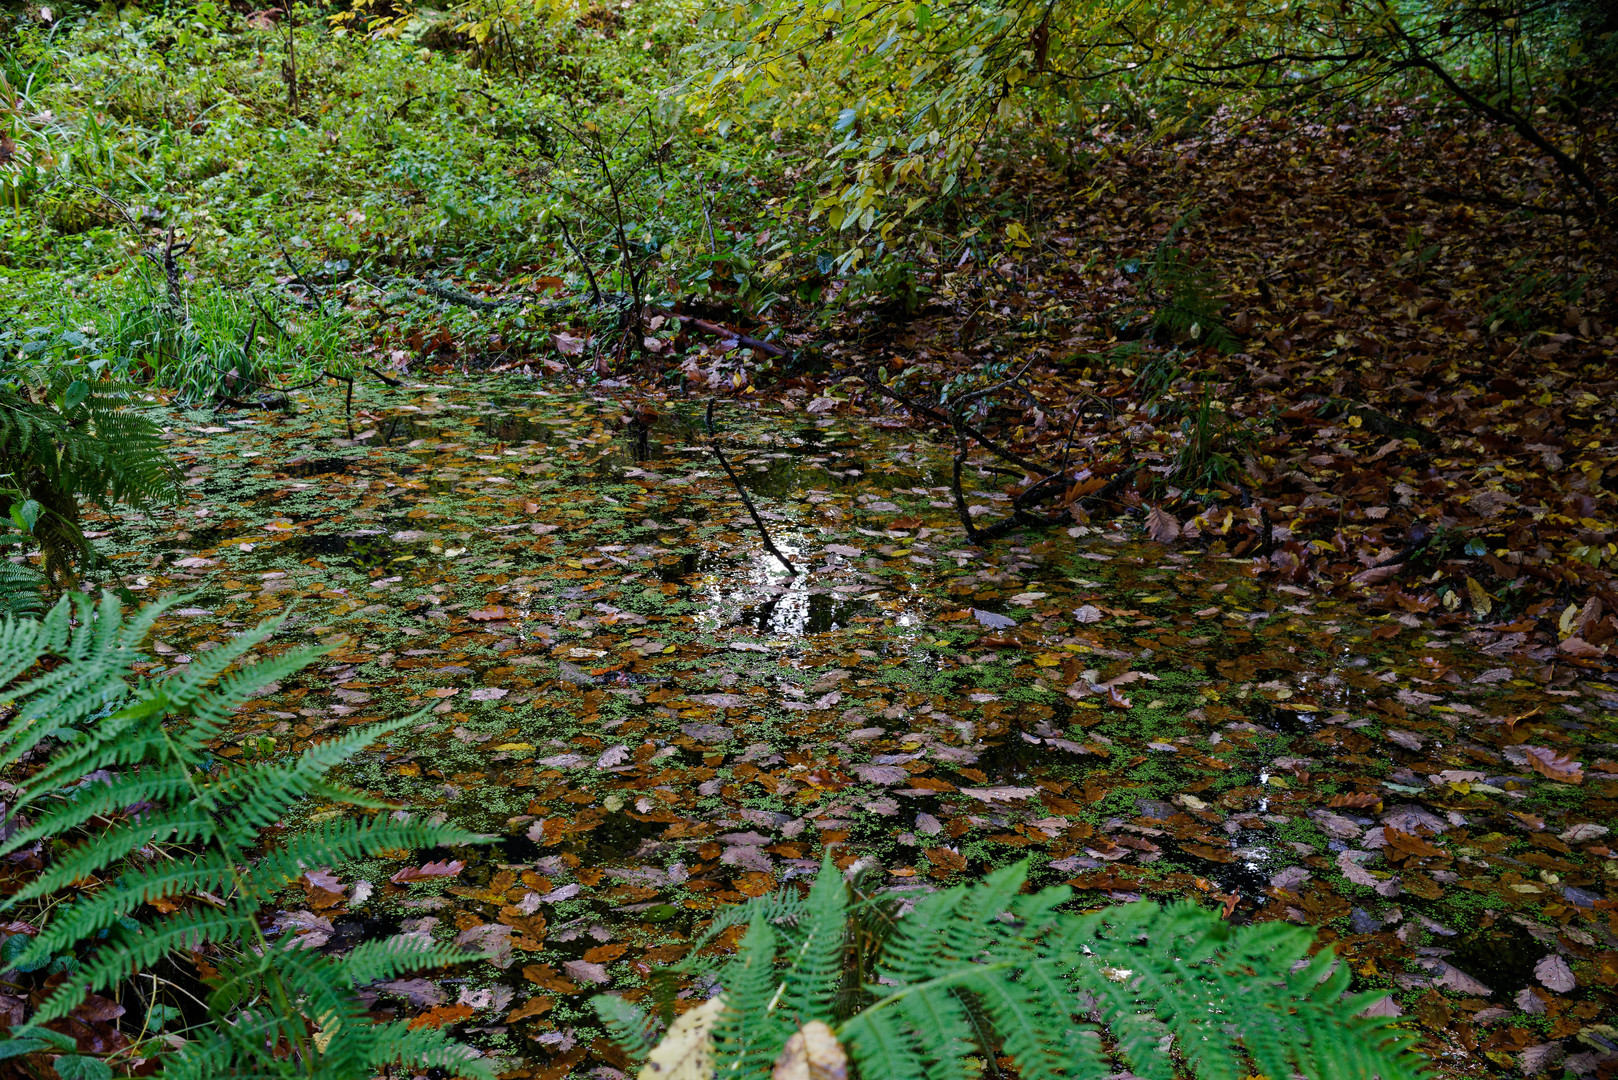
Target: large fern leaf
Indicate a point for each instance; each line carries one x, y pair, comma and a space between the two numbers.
989, 970
146, 745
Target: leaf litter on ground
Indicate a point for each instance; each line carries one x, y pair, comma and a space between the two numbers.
569, 615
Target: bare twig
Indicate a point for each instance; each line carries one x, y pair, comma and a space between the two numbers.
713, 445
389, 381
595, 290
315, 299
165, 260
953, 423
972, 535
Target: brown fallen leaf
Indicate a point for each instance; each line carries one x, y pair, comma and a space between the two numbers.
1559, 767
548, 978
538, 1005
443, 1016
1162, 525
1554, 974
1378, 575
1577, 646
448, 868
813, 1053
1403, 845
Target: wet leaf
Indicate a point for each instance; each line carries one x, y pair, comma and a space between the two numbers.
447, 868
812, 1053
1162, 526
1554, 974
1548, 763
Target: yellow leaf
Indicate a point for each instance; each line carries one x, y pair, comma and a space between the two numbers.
1481, 602
1564, 625
686, 1052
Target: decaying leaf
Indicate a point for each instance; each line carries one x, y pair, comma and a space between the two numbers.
1554, 974
1549, 763
447, 868
813, 1053
686, 1052
1162, 526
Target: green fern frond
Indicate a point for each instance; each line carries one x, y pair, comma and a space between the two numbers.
424, 1048
22, 590
151, 742
92, 801
630, 1026
750, 1032
985, 970
210, 872
338, 839
133, 953
261, 795
373, 961
816, 968
180, 826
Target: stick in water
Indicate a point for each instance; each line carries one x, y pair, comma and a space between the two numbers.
769, 545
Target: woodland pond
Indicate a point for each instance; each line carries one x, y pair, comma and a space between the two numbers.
651, 717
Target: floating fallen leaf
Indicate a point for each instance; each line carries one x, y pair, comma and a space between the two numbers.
587, 972
1555, 766
418, 992
538, 1005
1554, 974
448, 868
993, 620
1000, 794
442, 1016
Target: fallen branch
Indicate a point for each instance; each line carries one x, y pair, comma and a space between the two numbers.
972, 534
954, 423
769, 544
743, 340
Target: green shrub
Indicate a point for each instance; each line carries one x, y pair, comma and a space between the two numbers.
139, 817
987, 968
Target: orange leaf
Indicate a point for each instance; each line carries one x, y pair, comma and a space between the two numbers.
538, 1005
1405, 845
443, 1015
548, 978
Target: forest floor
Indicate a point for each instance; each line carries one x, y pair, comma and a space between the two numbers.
652, 717
1319, 626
